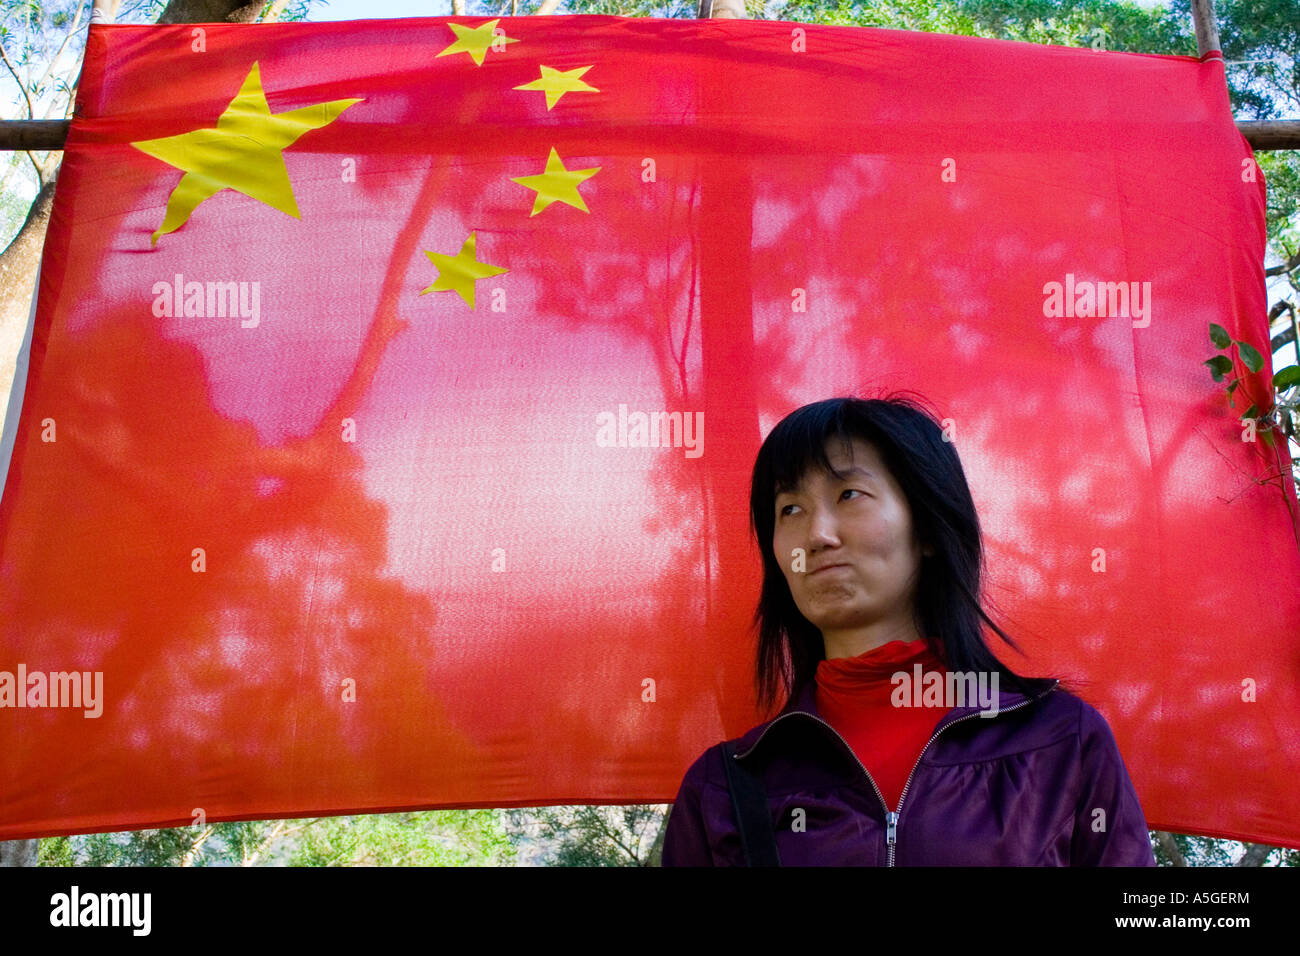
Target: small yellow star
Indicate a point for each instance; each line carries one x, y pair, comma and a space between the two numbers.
460, 272
243, 153
556, 184
555, 83
474, 41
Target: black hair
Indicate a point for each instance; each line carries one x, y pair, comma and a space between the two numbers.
948, 606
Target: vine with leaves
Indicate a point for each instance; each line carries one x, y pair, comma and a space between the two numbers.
1279, 419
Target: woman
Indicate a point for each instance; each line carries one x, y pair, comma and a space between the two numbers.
903, 740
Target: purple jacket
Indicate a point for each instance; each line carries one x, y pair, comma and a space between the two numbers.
1041, 783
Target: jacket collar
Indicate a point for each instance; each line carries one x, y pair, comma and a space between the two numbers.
804, 701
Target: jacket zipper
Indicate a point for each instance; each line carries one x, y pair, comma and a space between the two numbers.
891, 817
891, 839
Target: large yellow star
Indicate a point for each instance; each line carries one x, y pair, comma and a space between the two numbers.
556, 83
556, 184
474, 41
242, 153
460, 272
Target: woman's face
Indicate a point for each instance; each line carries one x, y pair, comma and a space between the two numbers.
860, 558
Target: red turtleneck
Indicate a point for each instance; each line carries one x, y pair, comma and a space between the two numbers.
853, 696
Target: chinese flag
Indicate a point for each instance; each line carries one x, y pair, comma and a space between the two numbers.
394, 386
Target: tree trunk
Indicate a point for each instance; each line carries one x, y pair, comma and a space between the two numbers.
723, 10
211, 11
18, 284
19, 852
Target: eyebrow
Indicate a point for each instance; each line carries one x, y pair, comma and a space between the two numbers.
846, 472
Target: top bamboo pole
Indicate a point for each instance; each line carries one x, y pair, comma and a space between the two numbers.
1262, 135
52, 134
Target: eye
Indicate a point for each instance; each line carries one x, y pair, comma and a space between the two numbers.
785, 510
856, 491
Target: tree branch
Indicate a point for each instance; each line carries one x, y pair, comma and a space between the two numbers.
1255, 855
273, 13
42, 171
188, 858
76, 23
1170, 846
270, 838
1284, 267
31, 110
609, 832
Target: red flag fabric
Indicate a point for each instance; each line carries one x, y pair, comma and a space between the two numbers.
394, 386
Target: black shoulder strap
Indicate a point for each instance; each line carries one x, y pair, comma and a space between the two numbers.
749, 799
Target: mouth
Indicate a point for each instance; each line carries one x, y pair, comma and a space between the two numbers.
826, 567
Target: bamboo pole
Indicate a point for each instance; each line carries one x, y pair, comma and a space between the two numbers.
33, 134
1271, 134
1262, 135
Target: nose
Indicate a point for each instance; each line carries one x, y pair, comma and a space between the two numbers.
822, 530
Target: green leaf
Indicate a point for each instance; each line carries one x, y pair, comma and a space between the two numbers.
1249, 413
1287, 377
1267, 436
1235, 383
1254, 361
1219, 336
1220, 365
